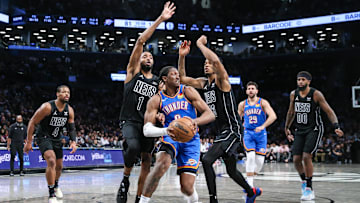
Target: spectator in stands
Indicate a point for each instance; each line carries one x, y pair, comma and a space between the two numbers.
337, 153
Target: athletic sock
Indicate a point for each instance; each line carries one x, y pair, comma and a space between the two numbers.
302, 176
308, 182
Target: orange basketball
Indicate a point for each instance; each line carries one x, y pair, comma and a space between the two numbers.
183, 129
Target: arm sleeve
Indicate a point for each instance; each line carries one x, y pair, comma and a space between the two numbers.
72, 131
152, 131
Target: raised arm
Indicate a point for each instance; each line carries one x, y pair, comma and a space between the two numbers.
290, 117
40, 114
320, 99
207, 115
222, 78
183, 51
271, 115
134, 62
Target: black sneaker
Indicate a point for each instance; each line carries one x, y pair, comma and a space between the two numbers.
11, 173
22, 173
122, 192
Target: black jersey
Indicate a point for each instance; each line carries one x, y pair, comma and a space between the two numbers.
307, 112
225, 109
137, 93
53, 124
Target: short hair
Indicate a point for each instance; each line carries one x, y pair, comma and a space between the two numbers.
252, 83
304, 74
165, 71
58, 89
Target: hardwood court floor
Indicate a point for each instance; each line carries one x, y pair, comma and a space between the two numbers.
280, 183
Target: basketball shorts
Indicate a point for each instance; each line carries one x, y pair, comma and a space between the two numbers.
50, 144
307, 140
255, 141
187, 154
134, 137
229, 143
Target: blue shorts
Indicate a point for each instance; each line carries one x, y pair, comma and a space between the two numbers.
187, 154
254, 141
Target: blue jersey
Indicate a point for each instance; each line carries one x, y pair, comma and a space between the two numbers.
254, 115
176, 107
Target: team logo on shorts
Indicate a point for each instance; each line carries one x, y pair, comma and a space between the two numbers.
180, 96
191, 162
262, 150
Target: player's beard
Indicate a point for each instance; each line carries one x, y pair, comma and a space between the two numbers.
146, 68
209, 74
302, 88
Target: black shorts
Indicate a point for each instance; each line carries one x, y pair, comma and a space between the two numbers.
307, 140
229, 144
134, 136
50, 144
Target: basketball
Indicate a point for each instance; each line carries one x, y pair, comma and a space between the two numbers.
183, 129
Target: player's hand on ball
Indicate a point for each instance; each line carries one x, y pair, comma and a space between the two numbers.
170, 131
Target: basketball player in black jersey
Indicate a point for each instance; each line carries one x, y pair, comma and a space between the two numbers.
219, 97
53, 116
140, 85
305, 105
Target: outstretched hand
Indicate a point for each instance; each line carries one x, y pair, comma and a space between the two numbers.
168, 12
184, 48
202, 40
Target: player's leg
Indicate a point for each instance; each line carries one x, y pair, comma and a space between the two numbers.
145, 170
58, 168
298, 147
188, 163
50, 172
132, 148
47, 151
163, 161
187, 181
260, 151
209, 158
20, 151
250, 145
311, 143
12, 158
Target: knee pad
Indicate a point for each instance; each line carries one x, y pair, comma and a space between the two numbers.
250, 162
259, 163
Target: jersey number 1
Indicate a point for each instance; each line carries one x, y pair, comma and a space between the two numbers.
141, 100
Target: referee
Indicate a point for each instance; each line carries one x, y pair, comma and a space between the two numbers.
17, 136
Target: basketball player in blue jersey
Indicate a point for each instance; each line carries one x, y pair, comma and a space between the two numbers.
220, 98
304, 110
139, 86
254, 111
175, 101
52, 117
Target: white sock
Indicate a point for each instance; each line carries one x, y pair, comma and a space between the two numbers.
250, 180
192, 198
144, 199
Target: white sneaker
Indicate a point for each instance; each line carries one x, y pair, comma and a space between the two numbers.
58, 193
53, 200
308, 194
